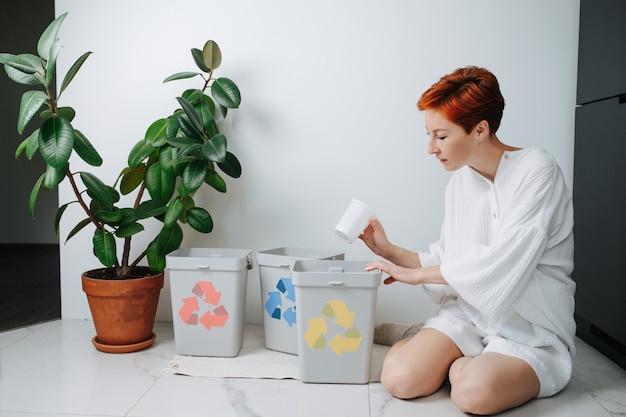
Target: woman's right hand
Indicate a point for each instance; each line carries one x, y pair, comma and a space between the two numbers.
375, 238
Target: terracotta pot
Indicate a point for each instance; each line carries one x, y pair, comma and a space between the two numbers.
123, 311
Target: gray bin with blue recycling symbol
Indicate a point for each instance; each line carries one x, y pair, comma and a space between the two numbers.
278, 297
336, 316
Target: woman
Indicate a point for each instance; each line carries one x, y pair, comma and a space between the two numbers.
504, 333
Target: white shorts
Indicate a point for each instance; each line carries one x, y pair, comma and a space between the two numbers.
552, 364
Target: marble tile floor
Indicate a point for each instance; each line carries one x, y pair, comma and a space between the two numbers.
53, 370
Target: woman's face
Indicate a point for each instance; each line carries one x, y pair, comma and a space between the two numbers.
448, 141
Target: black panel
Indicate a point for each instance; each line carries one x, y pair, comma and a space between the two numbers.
601, 50
600, 216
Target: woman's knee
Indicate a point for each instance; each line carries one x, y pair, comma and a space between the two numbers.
407, 382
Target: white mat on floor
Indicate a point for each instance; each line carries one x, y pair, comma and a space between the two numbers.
255, 361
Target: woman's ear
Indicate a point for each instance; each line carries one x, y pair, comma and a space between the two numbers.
482, 130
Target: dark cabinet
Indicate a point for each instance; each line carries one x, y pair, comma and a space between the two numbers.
600, 178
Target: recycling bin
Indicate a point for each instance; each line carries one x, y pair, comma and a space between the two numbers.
208, 290
336, 316
278, 294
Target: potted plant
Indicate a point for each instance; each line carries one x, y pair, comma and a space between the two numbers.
180, 154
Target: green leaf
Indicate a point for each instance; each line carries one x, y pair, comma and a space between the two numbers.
52, 62
206, 109
170, 164
80, 226
156, 261
30, 145
193, 175
156, 135
211, 55
86, 150
230, 166
226, 93
109, 216
188, 128
97, 190
214, 180
183, 141
193, 150
30, 77
73, 70
215, 148
159, 183
150, 208
130, 230
104, 247
54, 176
57, 217
173, 212
169, 239
199, 60
139, 153
172, 125
192, 95
128, 217
49, 36
34, 193
19, 63
56, 141
181, 76
132, 178
67, 112
192, 114
200, 219
29, 106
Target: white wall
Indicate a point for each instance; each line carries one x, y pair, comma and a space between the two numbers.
328, 113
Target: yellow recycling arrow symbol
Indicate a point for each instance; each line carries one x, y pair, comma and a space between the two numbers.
350, 343
314, 335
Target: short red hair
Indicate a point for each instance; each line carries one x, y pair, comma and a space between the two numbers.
466, 97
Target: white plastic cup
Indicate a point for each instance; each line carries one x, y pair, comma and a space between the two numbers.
354, 221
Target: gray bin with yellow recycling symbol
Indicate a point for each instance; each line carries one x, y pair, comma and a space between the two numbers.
336, 315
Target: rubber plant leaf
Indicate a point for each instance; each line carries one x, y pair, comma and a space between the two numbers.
66, 112
150, 208
29, 77
139, 153
80, 226
214, 149
226, 93
129, 230
97, 190
86, 150
18, 62
200, 219
56, 141
173, 212
214, 180
192, 114
54, 176
230, 166
34, 193
156, 135
193, 175
169, 239
211, 55
181, 76
156, 261
159, 183
52, 62
132, 178
57, 217
29, 106
109, 216
104, 247
73, 70
30, 145
199, 60
49, 36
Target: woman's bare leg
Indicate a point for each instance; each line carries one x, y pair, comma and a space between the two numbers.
418, 366
490, 383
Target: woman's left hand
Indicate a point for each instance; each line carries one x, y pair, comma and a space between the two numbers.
396, 273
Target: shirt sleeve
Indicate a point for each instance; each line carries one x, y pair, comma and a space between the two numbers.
491, 277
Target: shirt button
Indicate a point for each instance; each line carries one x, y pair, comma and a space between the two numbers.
494, 215
506, 156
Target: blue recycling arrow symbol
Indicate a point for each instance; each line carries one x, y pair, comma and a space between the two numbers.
275, 301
